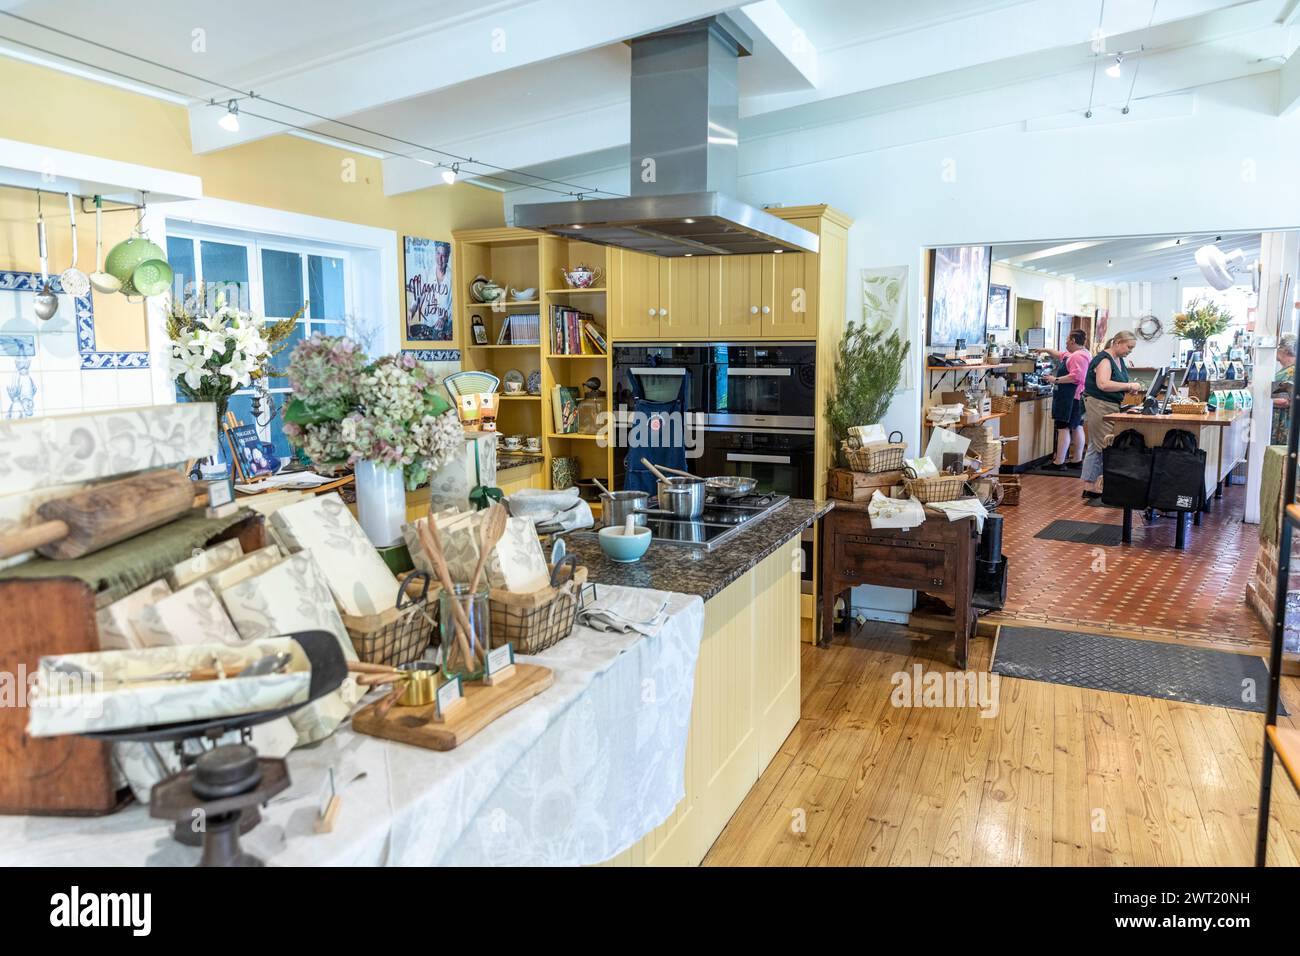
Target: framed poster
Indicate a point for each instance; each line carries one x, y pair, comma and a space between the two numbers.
428, 290
959, 295
999, 308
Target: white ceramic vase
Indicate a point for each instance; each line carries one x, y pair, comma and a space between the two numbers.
381, 502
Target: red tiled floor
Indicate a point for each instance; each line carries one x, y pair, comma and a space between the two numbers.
1145, 586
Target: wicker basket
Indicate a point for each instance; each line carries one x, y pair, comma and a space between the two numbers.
401, 634
533, 622
1189, 408
936, 487
1002, 404
1010, 489
876, 459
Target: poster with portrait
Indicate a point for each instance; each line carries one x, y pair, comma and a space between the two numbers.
959, 296
999, 308
428, 291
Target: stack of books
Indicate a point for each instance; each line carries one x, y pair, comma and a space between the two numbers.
521, 328
575, 333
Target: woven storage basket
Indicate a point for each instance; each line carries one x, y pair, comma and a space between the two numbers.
1010, 489
538, 620
935, 488
875, 460
1189, 408
400, 634
1002, 404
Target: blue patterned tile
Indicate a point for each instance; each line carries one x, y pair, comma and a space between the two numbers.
84, 307
434, 355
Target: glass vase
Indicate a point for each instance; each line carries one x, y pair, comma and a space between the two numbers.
381, 502
466, 636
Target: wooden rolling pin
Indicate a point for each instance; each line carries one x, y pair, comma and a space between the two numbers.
101, 515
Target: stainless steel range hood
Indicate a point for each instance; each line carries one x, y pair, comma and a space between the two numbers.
685, 115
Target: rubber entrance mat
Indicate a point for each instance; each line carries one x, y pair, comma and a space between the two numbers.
1192, 675
1074, 471
1081, 532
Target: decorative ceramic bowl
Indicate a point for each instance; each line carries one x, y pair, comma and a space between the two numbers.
625, 548
524, 295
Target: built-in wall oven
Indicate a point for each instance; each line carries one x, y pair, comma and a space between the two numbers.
763, 385
779, 460
659, 368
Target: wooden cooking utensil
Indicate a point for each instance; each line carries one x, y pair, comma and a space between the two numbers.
678, 471
653, 470
432, 541
94, 518
490, 532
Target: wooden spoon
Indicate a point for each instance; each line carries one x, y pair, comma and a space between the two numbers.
678, 471
491, 530
432, 541
653, 470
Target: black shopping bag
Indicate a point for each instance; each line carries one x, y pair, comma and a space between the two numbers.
1126, 471
1178, 473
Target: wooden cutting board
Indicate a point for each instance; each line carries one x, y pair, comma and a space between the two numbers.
483, 704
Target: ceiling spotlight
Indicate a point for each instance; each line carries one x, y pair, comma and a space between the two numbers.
778, 251
1109, 263
577, 225
230, 119
1113, 70
689, 254
449, 173
688, 220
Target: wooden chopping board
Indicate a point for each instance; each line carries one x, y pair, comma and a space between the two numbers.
483, 704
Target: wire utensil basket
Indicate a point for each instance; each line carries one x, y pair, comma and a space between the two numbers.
535, 621
400, 635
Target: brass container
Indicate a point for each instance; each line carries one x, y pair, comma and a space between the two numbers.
422, 686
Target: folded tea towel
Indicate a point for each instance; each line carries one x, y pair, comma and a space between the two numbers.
551, 511
886, 512
624, 610
961, 509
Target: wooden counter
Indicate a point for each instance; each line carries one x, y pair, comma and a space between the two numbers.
1223, 435
1035, 433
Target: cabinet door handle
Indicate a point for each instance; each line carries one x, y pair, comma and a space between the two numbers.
663, 311
766, 310
652, 312
753, 310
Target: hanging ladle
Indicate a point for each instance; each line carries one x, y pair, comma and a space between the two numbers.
103, 282
74, 281
47, 303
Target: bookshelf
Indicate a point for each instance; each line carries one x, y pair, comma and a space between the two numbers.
520, 259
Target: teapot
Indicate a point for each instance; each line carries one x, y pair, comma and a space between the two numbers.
483, 289
581, 276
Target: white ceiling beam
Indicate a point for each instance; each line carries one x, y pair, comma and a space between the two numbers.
507, 37
1052, 252
783, 57
1288, 85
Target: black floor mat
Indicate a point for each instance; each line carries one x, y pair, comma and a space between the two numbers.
1072, 472
1081, 532
1192, 675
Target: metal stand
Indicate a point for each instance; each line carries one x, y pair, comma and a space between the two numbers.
1126, 532
1289, 519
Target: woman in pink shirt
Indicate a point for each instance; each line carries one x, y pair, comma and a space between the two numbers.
1067, 400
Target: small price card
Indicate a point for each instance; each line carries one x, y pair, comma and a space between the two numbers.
221, 498
449, 696
500, 665
328, 806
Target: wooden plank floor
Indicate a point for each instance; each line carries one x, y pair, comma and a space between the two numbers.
1061, 776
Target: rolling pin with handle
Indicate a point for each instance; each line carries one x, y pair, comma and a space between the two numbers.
102, 515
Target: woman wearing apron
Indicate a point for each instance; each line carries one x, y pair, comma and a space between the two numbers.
663, 426
1103, 391
1067, 400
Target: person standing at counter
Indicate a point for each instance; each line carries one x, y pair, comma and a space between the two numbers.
1103, 389
1283, 387
1067, 399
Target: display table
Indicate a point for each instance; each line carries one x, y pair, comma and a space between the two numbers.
937, 557
574, 776
1222, 434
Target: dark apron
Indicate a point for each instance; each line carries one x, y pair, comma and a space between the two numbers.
1063, 397
674, 456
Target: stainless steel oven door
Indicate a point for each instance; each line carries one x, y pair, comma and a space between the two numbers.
779, 460
762, 385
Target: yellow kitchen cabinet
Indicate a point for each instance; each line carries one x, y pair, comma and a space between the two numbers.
693, 296
746, 287
644, 289
792, 312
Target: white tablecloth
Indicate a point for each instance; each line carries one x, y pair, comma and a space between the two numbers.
572, 777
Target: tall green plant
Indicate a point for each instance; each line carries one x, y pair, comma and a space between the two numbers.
868, 368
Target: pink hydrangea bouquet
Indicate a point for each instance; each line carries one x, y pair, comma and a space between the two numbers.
348, 409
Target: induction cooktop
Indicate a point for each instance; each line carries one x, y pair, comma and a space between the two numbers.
720, 521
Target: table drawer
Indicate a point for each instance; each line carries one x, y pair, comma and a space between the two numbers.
891, 562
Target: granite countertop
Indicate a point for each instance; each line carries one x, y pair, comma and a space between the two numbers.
505, 461
686, 570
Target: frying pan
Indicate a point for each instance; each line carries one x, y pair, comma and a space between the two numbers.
721, 486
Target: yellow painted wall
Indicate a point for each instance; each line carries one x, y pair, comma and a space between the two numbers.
283, 172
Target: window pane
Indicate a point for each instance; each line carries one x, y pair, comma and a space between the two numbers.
180, 256
281, 282
223, 265
325, 281
281, 359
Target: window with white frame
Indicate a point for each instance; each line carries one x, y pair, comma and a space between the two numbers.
275, 277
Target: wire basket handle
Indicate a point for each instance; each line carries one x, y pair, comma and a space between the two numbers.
404, 599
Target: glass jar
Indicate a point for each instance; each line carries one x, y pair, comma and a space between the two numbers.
466, 636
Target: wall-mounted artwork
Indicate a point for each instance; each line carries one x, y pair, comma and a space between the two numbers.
959, 295
428, 291
999, 308
884, 307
